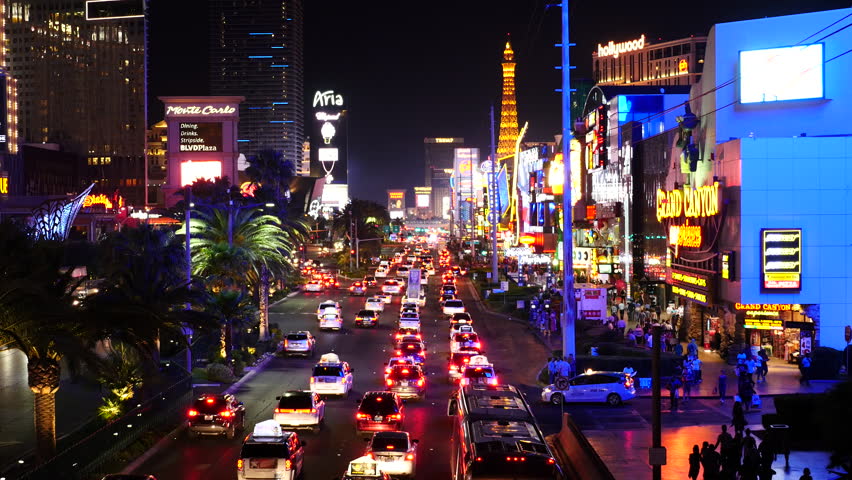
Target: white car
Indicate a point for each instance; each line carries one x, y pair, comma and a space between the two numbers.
375, 304
453, 306
331, 321
331, 376
460, 340
479, 371
409, 305
391, 287
381, 272
395, 453
409, 321
300, 409
402, 271
604, 387
314, 286
299, 343
325, 305
386, 298
461, 328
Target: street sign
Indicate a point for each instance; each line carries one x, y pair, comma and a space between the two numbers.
504, 285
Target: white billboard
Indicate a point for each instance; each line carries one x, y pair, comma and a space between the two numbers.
778, 74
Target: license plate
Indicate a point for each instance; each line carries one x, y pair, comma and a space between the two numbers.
263, 463
403, 383
208, 417
378, 418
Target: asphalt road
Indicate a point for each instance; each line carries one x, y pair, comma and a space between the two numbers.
329, 452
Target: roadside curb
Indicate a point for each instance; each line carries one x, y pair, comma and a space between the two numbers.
289, 295
173, 435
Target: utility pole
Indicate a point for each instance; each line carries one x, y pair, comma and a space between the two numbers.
494, 205
187, 331
568, 301
657, 453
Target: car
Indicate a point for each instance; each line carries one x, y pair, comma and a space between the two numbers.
300, 409
379, 411
395, 452
394, 361
415, 349
358, 288
314, 286
299, 343
459, 360
391, 287
460, 317
403, 281
403, 331
364, 468
366, 318
215, 414
452, 306
457, 271
445, 297
270, 452
467, 339
326, 304
612, 388
402, 271
409, 305
331, 282
332, 376
479, 371
460, 328
370, 281
409, 320
381, 272
375, 304
386, 298
409, 339
408, 381
331, 321
451, 289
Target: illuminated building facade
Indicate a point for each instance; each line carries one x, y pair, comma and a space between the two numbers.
639, 62
256, 51
508, 107
156, 144
439, 153
80, 76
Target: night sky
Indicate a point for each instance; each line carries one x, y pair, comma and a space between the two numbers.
410, 70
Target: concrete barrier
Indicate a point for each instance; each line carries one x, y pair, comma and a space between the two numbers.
575, 454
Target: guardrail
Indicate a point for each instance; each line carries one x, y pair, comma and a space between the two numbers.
86, 455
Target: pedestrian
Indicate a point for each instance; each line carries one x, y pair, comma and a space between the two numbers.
805, 367
674, 393
552, 369
694, 463
565, 369
722, 386
750, 367
765, 362
738, 420
621, 325
749, 441
758, 368
735, 454
751, 464
767, 456
806, 474
724, 440
711, 461
629, 370
741, 357
692, 348
696, 369
688, 381
678, 349
746, 392
631, 339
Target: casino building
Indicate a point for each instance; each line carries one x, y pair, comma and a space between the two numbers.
642, 62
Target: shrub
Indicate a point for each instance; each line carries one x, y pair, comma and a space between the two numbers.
199, 373
218, 372
826, 363
239, 367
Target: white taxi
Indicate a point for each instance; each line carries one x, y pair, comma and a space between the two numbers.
331, 376
381, 272
479, 371
300, 409
314, 286
364, 468
593, 386
395, 452
453, 306
375, 304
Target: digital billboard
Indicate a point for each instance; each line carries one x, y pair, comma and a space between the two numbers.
503, 190
191, 171
779, 74
781, 259
200, 137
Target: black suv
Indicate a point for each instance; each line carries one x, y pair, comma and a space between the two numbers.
215, 415
407, 381
379, 411
366, 318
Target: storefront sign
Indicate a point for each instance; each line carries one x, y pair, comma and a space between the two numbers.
534, 259
583, 257
690, 294
682, 66
102, 199
200, 110
691, 285
691, 203
613, 49
728, 265
685, 235
689, 279
763, 323
781, 259
200, 137
4, 184
767, 307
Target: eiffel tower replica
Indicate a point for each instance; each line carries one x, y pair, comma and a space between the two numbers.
509, 106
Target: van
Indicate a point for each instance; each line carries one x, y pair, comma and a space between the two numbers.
270, 452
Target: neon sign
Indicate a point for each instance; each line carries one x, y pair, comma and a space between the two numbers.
396, 195
191, 171
4, 185
328, 99
200, 110
781, 255
692, 203
698, 297
685, 235
682, 66
613, 49
769, 307
101, 199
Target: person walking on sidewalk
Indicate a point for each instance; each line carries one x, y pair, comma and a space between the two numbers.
696, 368
694, 463
746, 392
750, 367
674, 386
806, 474
758, 368
688, 381
692, 348
805, 367
738, 421
711, 461
764, 357
552, 369
722, 386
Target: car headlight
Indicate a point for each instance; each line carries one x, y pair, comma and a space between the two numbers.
548, 389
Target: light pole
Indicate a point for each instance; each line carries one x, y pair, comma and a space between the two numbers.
495, 202
187, 331
568, 302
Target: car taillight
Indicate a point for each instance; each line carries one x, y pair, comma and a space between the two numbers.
477, 345
395, 416
466, 360
421, 382
399, 352
551, 461
226, 414
279, 410
464, 381
409, 457
454, 368
361, 416
387, 370
313, 380
493, 381
389, 382
192, 413
240, 464
516, 459
288, 464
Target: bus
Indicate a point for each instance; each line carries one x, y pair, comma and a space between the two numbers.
496, 437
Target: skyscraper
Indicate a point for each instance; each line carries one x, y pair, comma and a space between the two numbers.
256, 52
79, 68
508, 106
438, 155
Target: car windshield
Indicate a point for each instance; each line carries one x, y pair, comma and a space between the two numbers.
210, 405
365, 313
478, 372
392, 444
465, 337
409, 315
323, 306
297, 400
328, 371
459, 358
461, 316
297, 336
454, 303
264, 450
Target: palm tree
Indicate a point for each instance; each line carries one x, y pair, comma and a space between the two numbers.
265, 245
271, 174
232, 309
37, 318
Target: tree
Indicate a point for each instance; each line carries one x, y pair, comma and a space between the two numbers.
270, 176
37, 318
232, 309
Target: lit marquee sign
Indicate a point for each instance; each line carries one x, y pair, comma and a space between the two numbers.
781, 259
691, 202
327, 99
691, 285
102, 199
685, 235
191, 171
200, 110
613, 49
200, 137
765, 316
4, 183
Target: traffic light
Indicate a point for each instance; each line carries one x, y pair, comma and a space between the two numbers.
352, 252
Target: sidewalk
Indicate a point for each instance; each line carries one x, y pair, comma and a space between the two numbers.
626, 453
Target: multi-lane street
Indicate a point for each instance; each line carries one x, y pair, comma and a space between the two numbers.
329, 452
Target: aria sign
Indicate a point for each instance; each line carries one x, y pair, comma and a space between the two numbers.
200, 110
327, 99
613, 49
692, 203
